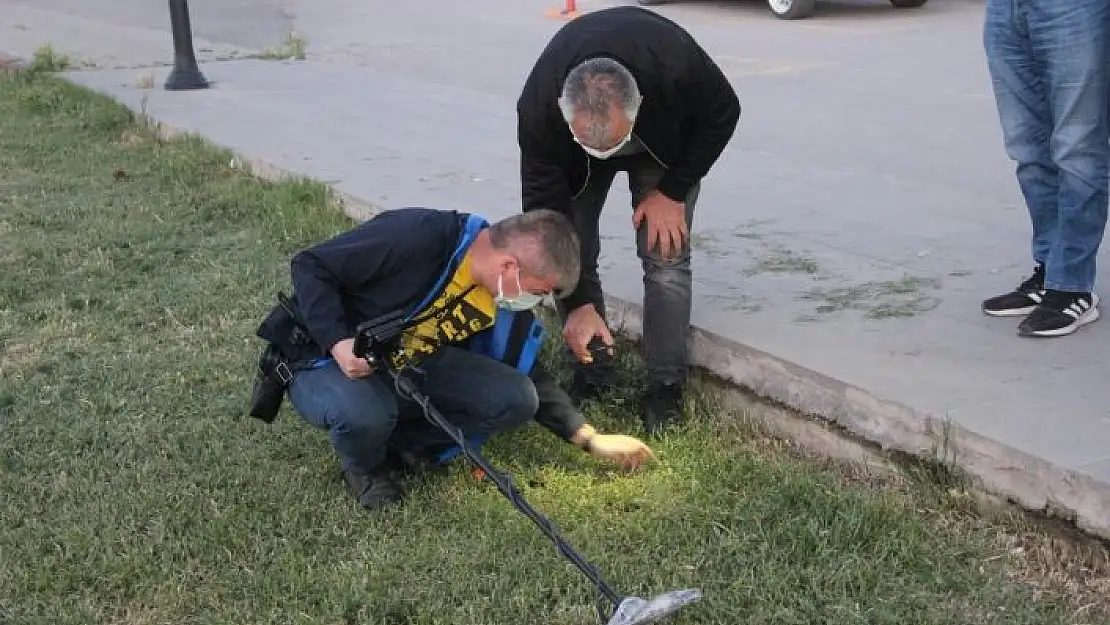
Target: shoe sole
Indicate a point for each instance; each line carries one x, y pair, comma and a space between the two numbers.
1090, 316
1010, 312
1016, 312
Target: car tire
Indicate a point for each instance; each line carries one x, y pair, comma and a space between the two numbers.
907, 4
794, 9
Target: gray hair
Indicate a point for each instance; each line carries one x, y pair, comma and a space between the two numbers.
545, 243
594, 86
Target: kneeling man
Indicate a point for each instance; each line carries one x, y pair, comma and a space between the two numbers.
451, 273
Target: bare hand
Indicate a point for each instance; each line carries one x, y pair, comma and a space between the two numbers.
666, 222
352, 365
582, 325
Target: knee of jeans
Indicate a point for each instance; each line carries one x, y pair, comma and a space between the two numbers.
372, 420
1025, 141
654, 260
1082, 151
667, 272
520, 401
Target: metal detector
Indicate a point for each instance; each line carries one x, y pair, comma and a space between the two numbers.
378, 342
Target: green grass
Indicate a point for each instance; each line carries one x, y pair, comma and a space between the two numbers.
292, 48
135, 490
46, 59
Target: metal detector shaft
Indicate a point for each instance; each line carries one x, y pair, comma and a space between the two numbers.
504, 484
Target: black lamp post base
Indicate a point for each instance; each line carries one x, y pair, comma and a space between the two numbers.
185, 75
185, 79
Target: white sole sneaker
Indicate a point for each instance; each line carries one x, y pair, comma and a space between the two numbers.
1082, 316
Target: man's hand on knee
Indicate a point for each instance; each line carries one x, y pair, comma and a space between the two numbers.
666, 223
353, 366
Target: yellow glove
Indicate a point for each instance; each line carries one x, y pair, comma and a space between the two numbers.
626, 451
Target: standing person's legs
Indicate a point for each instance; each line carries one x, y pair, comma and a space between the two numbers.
360, 415
476, 393
585, 213
1026, 119
667, 303
1073, 40
1048, 67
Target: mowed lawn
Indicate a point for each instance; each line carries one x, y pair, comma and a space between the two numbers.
134, 489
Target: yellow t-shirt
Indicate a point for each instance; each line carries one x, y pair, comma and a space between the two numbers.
468, 316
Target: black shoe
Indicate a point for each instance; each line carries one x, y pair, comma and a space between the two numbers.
412, 463
375, 490
1022, 300
662, 407
1060, 313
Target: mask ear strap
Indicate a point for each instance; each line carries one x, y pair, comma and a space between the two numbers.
519, 286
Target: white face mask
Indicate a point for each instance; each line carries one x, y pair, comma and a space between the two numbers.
523, 300
607, 153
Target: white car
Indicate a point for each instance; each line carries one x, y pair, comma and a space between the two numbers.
797, 9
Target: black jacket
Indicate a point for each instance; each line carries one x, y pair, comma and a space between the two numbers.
688, 115
380, 266
390, 263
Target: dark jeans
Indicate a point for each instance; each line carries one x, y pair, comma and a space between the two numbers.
667, 283
1049, 64
476, 393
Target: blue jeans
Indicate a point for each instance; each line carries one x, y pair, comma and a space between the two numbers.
475, 393
1049, 64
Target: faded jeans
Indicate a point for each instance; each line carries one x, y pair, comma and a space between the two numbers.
667, 283
477, 394
1048, 62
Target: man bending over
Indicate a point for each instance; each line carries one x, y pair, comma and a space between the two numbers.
623, 89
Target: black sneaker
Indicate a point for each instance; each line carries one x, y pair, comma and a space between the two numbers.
374, 491
1060, 313
1022, 300
662, 407
405, 463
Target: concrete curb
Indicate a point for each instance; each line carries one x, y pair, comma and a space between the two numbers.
1030, 482
999, 470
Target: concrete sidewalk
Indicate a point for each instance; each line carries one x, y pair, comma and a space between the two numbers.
843, 244
113, 34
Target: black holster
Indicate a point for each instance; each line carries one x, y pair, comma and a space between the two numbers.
288, 349
270, 384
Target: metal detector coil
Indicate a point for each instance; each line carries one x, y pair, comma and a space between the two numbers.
378, 342
637, 611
